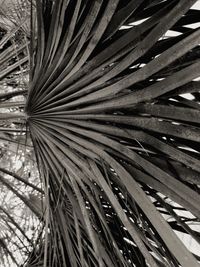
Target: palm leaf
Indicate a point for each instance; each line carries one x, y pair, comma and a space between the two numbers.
115, 138
89, 127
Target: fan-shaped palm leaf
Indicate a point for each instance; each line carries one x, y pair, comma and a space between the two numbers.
116, 141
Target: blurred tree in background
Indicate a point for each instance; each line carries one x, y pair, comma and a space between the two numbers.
99, 133
18, 171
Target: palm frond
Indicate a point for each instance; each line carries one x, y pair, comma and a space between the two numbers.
116, 141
